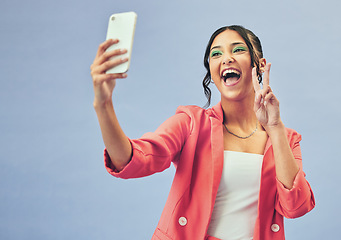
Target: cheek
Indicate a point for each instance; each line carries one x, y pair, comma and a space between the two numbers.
247, 66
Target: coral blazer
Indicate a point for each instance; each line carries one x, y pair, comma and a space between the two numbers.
193, 140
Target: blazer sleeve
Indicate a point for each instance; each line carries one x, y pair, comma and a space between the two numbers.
154, 151
297, 201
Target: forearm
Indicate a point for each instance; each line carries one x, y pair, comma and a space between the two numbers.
115, 141
285, 163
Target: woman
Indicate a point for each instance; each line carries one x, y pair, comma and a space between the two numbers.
238, 169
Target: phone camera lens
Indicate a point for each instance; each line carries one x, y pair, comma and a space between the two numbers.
112, 18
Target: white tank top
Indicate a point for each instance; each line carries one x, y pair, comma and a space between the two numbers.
235, 209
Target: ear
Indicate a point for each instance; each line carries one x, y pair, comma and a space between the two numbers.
262, 63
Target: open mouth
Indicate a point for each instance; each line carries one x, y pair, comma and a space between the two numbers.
230, 76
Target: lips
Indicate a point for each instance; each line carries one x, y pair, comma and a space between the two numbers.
230, 76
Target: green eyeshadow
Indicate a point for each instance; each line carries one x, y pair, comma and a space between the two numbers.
239, 48
216, 53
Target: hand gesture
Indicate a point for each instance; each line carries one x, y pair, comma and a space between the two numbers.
104, 84
266, 105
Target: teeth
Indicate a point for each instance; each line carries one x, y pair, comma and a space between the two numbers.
230, 71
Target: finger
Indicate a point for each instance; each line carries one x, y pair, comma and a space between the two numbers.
255, 81
271, 98
105, 45
268, 98
258, 101
116, 75
269, 89
110, 64
266, 90
109, 54
99, 79
266, 75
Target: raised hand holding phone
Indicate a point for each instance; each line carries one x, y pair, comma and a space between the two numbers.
113, 56
104, 83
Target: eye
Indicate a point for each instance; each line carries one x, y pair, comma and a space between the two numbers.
216, 53
239, 49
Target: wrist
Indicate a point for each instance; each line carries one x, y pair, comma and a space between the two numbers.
275, 128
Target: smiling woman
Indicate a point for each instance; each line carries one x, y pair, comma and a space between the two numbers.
253, 46
238, 169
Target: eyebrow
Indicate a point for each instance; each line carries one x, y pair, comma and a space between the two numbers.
232, 44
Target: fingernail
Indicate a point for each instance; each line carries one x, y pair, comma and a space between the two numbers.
123, 50
124, 75
124, 59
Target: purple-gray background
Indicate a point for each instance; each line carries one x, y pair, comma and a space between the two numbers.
52, 180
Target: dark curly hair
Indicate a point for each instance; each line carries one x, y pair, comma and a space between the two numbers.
252, 42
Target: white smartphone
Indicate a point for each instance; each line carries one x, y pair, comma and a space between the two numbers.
122, 27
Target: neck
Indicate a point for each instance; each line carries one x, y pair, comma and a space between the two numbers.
239, 114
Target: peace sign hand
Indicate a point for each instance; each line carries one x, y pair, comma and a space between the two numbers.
266, 105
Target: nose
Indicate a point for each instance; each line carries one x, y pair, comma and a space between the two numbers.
227, 59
